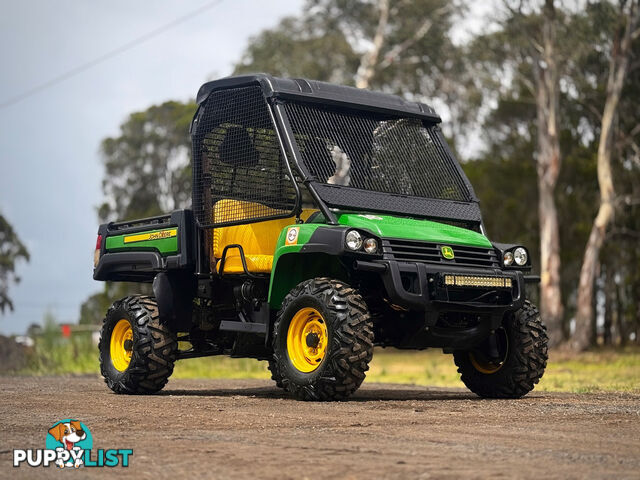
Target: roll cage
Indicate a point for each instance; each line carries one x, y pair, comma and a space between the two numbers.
263, 139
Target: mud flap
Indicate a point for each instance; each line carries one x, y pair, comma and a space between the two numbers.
174, 293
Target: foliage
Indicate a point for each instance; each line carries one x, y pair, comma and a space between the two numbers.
503, 176
620, 54
503, 172
328, 42
147, 167
12, 250
147, 172
53, 354
487, 87
94, 308
298, 47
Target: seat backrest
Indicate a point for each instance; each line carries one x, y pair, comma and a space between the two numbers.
229, 150
259, 238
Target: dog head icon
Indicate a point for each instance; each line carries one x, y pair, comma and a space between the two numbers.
68, 433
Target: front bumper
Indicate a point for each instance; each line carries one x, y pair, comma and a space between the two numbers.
421, 287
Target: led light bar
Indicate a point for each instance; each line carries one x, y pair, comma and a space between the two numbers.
476, 281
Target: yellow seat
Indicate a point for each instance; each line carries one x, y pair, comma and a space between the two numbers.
258, 239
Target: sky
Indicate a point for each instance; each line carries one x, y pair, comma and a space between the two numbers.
51, 172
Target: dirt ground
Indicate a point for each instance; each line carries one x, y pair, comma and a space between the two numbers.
227, 429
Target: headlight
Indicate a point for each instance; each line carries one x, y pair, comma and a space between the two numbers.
520, 256
507, 259
371, 245
353, 240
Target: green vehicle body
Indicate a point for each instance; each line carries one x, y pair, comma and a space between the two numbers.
283, 279
381, 225
395, 221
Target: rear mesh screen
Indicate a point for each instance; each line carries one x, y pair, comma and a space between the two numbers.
236, 156
375, 152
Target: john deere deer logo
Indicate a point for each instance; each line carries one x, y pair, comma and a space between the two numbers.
447, 252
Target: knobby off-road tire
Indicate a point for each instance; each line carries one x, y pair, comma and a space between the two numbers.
524, 363
153, 351
349, 348
275, 373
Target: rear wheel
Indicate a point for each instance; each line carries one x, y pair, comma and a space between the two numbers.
137, 352
511, 361
323, 341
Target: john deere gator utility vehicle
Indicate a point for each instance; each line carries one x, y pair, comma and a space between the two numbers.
325, 220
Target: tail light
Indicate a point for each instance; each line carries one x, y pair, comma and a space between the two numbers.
96, 254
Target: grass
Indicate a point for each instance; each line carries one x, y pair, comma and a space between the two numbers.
602, 370
53, 355
595, 371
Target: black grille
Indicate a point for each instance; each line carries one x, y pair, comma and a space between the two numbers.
237, 156
425, 252
376, 152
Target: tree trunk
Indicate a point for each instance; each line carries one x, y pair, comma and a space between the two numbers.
373, 60
633, 304
548, 168
621, 317
607, 334
594, 304
637, 323
636, 314
370, 59
618, 65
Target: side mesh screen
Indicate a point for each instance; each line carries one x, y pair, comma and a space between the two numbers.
375, 152
239, 171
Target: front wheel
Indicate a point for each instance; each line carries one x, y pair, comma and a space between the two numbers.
137, 352
323, 341
511, 361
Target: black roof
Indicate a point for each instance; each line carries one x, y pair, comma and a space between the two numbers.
323, 92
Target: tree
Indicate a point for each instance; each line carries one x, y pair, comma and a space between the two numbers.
375, 58
398, 47
12, 250
301, 47
510, 134
93, 309
505, 180
147, 172
370, 59
547, 88
147, 167
528, 50
620, 56
538, 81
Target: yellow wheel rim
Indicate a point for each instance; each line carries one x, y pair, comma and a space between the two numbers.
483, 364
121, 345
485, 367
307, 339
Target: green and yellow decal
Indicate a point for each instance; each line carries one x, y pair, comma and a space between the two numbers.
141, 237
164, 241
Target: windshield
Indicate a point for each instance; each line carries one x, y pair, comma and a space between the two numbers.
376, 152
